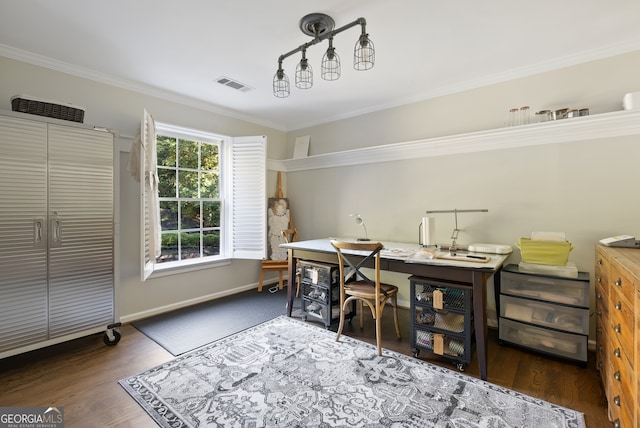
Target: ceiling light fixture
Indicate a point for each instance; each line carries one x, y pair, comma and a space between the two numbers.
321, 27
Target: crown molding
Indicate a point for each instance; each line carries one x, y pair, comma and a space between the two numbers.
605, 125
96, 76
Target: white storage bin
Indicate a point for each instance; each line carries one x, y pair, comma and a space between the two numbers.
566, 318
565, 291
573, 346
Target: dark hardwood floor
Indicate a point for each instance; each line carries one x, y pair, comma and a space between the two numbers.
81, 375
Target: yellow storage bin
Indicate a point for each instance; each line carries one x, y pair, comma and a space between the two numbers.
555, 253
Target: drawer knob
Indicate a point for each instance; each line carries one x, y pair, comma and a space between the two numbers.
600, 365
617, 328
599, 279
599, 261
599, 312
616, 400
619, 282
599, 296
619, 306
617, 376
599, 331
616, 423
617, 352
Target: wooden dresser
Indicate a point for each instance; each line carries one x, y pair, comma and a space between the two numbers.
617, 288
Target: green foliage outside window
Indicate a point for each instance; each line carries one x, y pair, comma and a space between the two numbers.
190, 205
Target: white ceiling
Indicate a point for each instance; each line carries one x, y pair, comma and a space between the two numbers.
424, 48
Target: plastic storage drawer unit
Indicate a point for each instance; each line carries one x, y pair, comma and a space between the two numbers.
550, 289
572, 346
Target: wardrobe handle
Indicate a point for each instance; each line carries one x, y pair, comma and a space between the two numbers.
56, 230
38, 226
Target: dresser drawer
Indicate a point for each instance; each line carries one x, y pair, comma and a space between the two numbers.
558, 290
573, 346
621, 283
575, 320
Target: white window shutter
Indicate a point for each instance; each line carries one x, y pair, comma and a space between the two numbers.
149, 209
248, 187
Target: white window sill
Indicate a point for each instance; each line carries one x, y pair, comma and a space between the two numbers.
177, 268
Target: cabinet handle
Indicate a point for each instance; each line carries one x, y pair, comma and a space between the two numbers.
616, 400
617, 352
619, 282
617, 328
617, 376
619, 306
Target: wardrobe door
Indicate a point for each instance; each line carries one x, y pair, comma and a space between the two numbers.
23, 232
81, 260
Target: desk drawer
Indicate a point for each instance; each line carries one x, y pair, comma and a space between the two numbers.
575, 320
557, 290
454, 347
573, 346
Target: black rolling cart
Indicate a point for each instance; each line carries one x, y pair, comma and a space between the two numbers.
321, 292
442, 319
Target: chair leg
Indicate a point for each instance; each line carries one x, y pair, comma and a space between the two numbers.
361, 309
280, 280
378, 331
260, 281
395, 315
341, 325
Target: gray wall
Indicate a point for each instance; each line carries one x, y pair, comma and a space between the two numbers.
121, 110
588, 189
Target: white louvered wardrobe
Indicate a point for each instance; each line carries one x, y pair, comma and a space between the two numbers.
56, 233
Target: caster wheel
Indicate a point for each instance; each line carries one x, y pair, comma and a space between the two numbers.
461, 366
113, 339
416, 352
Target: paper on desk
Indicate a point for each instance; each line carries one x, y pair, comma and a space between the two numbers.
494, 261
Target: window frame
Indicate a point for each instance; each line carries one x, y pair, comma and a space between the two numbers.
242, 181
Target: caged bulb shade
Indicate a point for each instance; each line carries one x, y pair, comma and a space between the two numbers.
364, 54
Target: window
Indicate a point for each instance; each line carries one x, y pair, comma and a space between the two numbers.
191, 203
203, 197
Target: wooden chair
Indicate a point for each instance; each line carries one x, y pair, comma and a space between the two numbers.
289, 235
355, 285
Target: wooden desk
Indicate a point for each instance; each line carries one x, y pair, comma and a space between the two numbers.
397, 257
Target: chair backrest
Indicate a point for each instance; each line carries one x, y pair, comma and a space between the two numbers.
290, 235
369, 250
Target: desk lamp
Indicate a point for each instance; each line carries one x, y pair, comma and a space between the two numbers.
360, 221
454, 235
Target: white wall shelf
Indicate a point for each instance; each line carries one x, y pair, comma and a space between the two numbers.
605, 125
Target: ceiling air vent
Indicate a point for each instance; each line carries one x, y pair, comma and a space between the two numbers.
233, 84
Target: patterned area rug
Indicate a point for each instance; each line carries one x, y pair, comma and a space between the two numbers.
286, 373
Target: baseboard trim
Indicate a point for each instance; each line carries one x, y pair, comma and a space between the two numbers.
129, 318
